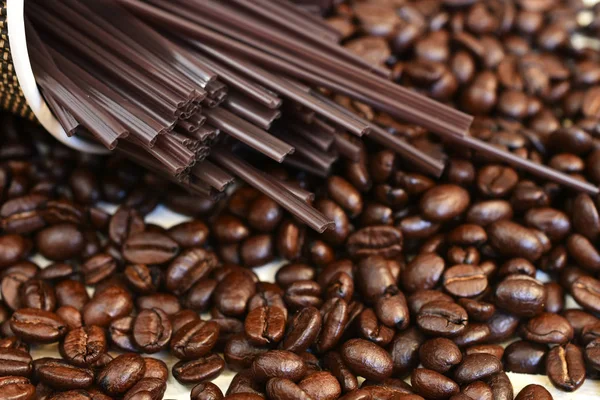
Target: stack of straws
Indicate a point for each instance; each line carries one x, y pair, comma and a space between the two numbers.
180, 85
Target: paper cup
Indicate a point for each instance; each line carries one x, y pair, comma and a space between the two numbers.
19, 92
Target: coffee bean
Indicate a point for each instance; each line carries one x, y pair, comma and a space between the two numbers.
442, 318
366, 359
521, 295
124, 223
15, 362
373, 277
240, 353
195, 339
290, 273
61, 375
206, 391
23, 214
433, 385
146, 388
477, 367
423, 272
84, 346
344, 194
163, 301
525, 357
14, 248
583, 252
513, 240
534, 392
106, 306
548, 328
121, 374
71, 293
188, 268
257, 250
579, 319
149, 248
189, 234
98, 267
321, 385
552, 222
335, 315
278, 364
265, 325
37, 326
16, 387
444, 202
264, 214
487, 212
152, 330
465, 280
60, 242
371, 329
492, 349
440, 355
10, 288
290, 239
302, 294
565, 367
384, 241
303, 330
477, 310
586, 291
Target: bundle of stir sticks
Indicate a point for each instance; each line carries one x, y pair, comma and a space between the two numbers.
180, 85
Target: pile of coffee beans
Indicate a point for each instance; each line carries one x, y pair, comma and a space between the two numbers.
414, 293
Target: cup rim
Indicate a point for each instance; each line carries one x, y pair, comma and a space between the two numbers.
20, 56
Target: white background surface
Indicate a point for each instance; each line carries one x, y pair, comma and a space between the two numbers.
163, 217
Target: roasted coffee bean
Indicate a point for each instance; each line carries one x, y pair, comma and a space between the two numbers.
534, 392
199, 296
513, 240
521, 295
321, 386
371, 329
206, 391
548, 328
525, 357
124, 223
335, 318
433, 385
373, 277
592, 354
565, 367
71, 293
492, 349
423, 272
71, 316
84, 346
392, 310
17, 388
264, 214
590, 333
106, 306
198, 370
195, 339
155, 368
14, 248
142, 279
278, 364
418, 299
444, 202
290, 273
465, 280
517, 266
240, 353
496, 181
501, 386
290, 239
189, 234
188, 268
15, 362
303, 330
150, 388
477, 310
265, 325
121, 374
476, 367
10, 288
37, 326
579, 319
554, 223
320, 253
37, 294
366, 359
61, 375
97, 268
384, 241
152, 330
440, 355
442, 318
257, 250
586, 291
163, 301
149, 248
23, 214
341, 286
583, 252
404, 351
120, 331
344, 194
302, 294
60, 242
